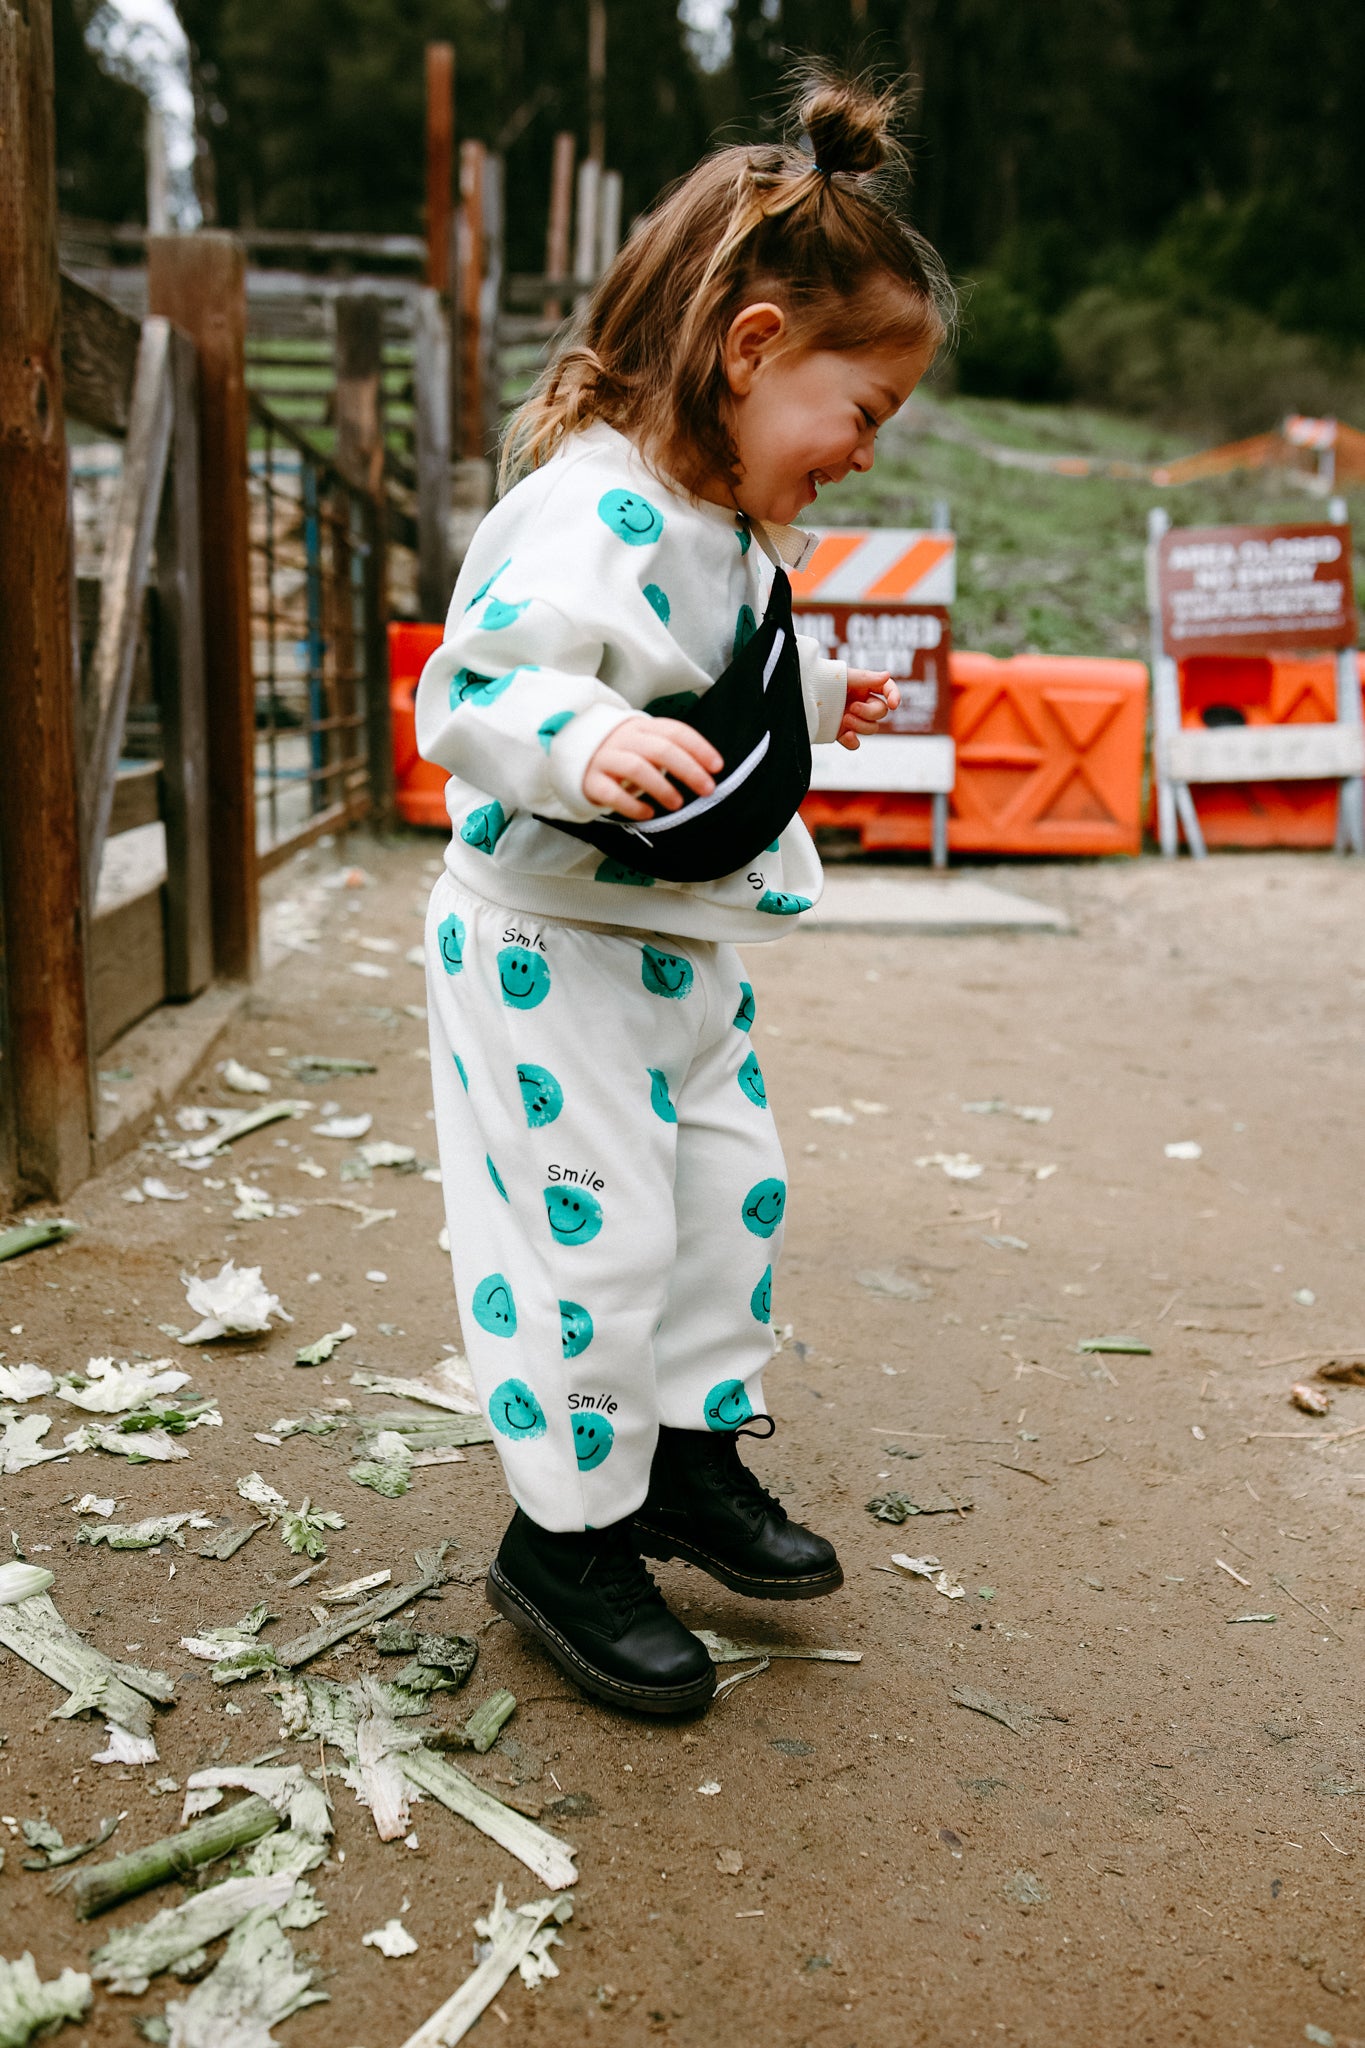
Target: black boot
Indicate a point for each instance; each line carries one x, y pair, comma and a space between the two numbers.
707, 1508
590, 1602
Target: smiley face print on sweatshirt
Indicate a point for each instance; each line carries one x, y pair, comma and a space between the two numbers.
751, 1082
575, 1328
665, 974
484, 827
593, 1437
630, 517
450, 939
763, 1207
514, 1411
541, 1095
523, 977
727, 1406
575, 1215
494, 1308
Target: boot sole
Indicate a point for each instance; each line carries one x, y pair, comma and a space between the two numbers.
662, 1548
616, 1692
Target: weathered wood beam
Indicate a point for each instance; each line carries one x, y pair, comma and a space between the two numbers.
99, 358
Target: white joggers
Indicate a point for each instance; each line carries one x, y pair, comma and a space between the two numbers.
614, 1191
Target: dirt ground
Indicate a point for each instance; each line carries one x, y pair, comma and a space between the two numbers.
1163, 1849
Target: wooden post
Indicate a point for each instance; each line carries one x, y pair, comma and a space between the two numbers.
360, 458
199, 283
158, 196
597, 80
585, 225
561, 209
179, 657
440, 76
431, 379
608, 219
473, 157
45, 1041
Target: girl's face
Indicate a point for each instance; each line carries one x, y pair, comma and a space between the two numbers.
803, 418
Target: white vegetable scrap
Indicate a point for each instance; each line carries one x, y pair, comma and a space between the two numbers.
19, 1581
319, 1353
19, 1446
143, 1535
134, 1955
227, 1133
124, 1748
110, 1386
262, 1495
831, 1113
383, 1152
1185, 1148
257, 1984
392, 1939
287, 1788
24, 1382
243, 1080
344, 1126
233, 1303
92, 1504
253, 1204
28, 2006
957, 1165
157, 1191
929, 1568
445, 1396
1027, 1113
519, 1940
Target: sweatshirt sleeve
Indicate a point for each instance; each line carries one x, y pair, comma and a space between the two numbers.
511, 702
824, 685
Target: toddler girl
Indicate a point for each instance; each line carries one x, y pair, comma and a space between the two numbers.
627, 716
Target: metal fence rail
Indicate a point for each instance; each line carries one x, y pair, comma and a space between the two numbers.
317, 639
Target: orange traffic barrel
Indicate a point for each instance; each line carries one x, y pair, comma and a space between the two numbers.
419, 786
1262, 689
1049, 761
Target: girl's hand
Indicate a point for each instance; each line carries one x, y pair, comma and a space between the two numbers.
635, 761
871, 695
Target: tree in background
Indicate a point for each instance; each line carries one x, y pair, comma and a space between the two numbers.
101, 125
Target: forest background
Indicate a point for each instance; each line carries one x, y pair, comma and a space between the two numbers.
1153, 206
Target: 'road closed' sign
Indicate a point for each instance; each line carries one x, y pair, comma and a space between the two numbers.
1231, 589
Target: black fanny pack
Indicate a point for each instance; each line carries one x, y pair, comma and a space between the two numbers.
755, 717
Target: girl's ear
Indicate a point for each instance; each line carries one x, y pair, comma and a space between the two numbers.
754, 335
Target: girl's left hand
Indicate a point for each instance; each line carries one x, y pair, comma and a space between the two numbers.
871, 695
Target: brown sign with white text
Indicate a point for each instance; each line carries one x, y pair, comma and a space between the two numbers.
913, 642
1253, 589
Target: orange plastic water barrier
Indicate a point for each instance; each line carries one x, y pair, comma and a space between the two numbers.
1262, 689
419, 786
1049, 761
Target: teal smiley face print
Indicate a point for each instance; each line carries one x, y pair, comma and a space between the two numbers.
495, 1177
659, 1100
727, 1406
494, 1308
665, 974
630, 517
657, 600
575, 1215
763, 1207
593, 1437
514, 1411
624, 877
575, 1328
498, 614
751, 1082
761, 1300
523, 977
541, 1095
484, 827
744, 1015
549, 727
781, 903
450, 939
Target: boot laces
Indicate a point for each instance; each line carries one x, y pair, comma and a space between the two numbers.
622, 1579
728, 1476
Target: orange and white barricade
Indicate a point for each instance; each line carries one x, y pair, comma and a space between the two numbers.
880, 598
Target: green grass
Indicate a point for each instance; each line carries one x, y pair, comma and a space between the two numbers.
1054, 564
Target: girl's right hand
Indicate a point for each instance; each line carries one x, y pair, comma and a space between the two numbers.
636, 760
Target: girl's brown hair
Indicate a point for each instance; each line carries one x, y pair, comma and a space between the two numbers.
819, 235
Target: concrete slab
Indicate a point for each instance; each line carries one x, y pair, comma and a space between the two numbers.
887, 900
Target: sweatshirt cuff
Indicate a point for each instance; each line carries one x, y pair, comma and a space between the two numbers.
826, 687
571, 750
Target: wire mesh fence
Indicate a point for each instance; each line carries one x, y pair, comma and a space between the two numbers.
317, 596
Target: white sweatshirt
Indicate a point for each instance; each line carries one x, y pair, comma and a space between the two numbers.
589, 593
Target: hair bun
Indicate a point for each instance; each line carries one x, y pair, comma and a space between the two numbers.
848, 122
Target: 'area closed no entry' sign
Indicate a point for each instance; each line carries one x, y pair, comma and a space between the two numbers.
1231, 589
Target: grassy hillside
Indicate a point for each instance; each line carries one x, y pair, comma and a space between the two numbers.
1052, 564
